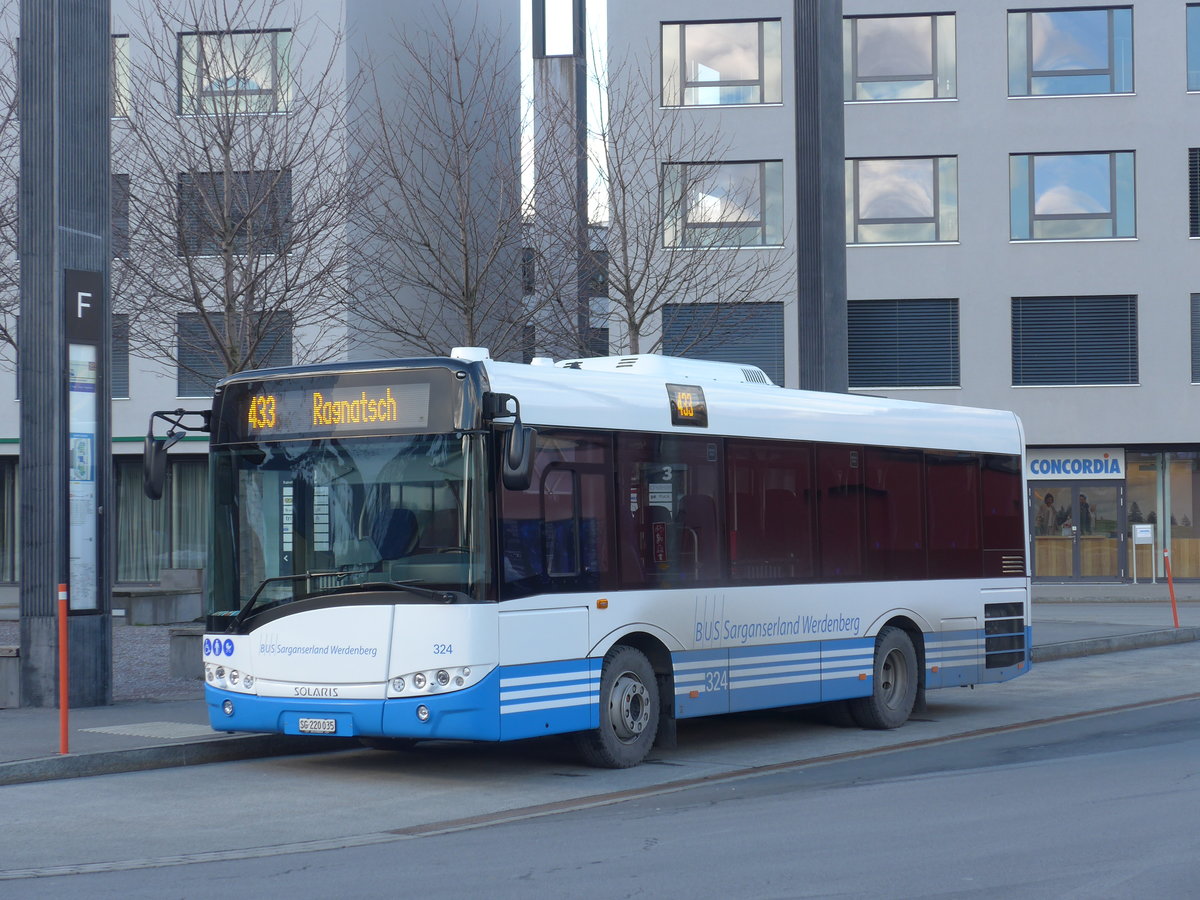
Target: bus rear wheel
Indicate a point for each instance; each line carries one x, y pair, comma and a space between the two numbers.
629, 707
894, 687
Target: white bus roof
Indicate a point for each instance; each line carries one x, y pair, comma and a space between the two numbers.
603, 393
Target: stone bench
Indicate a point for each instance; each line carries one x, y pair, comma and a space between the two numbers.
186, 659
10, 677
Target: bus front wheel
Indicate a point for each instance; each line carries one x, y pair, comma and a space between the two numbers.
894, 687
629, 707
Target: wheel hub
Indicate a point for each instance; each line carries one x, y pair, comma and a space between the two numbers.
630, 707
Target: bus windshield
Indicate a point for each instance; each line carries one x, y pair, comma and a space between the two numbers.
295, 519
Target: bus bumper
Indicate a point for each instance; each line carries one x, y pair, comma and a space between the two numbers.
469, 714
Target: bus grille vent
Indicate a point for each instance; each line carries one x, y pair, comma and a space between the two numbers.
1012, 565
1004, 634
627, 363
756, 376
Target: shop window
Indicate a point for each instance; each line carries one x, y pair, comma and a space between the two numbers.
899, 57
1072, 196
10, 521
908, 200
1070, 51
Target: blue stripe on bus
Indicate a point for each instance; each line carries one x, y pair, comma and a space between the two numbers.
549, 698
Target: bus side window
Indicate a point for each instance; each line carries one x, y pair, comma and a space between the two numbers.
953, 498
557, 534
839, 487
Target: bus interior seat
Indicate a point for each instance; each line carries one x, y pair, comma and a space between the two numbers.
396, 533
698, 519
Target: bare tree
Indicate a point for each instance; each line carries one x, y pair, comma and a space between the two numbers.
439, 259
685, 228
10, 160
238, 187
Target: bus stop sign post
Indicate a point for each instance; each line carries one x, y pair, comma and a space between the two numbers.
64, 683
1171, 587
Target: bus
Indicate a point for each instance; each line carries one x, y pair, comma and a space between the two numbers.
467, 549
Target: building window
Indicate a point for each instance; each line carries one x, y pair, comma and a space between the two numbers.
201, 361
737, 204
1072, 196
122, 85
720, 63
528, 269
1193, 47
1194, 192
1074, 340
902, 201
253, 217
223, 73
899, 57
903, 343
593, 273
120, 356
120, 216
1070, 51
10, 520
744, 333
1195, 338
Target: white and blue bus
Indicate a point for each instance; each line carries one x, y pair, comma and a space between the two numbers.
460, 548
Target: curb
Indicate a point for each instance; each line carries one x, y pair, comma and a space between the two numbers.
1115, 643
189, 753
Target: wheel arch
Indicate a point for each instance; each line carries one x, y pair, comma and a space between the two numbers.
909, 625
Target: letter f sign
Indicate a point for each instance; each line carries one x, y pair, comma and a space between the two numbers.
81, 302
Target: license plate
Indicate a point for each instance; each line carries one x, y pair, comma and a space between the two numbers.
318, 726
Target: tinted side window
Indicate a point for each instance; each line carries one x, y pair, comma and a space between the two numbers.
839, 511
953, 497
1003, 509
557, 535
770, 508
671, 523
895, 514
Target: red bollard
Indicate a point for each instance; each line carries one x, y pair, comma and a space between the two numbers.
1171, 587
64, 684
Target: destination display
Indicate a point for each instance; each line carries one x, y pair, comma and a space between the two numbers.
687, 405
330, 405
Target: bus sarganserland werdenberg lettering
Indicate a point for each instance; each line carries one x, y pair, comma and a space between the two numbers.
469, 549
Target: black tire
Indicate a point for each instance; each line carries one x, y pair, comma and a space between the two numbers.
894, 687
384, 743
629, 708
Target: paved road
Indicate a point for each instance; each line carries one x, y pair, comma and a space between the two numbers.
1102, 806
259, 809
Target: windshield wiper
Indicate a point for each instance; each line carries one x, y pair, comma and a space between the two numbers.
406, 586
244, 612
409, 586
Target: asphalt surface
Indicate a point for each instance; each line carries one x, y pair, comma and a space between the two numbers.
157, 721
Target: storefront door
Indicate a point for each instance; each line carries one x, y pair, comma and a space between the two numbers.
1078, 530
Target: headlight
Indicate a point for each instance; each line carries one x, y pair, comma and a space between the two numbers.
247, 681
419, 681
397, 684
443, 677
234, 676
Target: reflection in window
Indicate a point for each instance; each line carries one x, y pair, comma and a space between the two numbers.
720, 63
1193, 47
234, 72
899, 57
1077, 51
723, 204
891, 201
1072, 196
122, 88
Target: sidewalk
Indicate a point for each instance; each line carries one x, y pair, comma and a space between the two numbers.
158, 721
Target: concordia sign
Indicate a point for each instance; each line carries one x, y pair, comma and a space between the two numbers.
1104, 463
